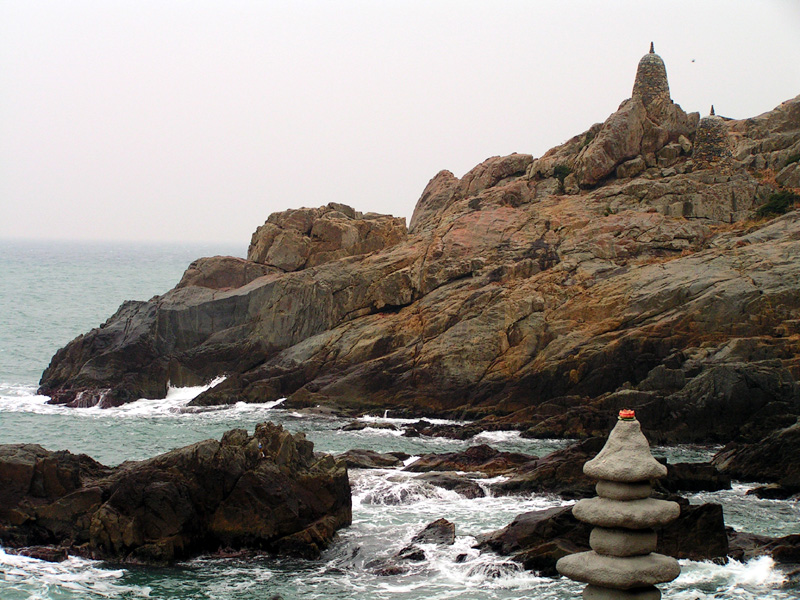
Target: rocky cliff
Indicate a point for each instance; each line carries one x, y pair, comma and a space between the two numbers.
625, 267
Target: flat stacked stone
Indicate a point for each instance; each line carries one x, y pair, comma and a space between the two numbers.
623, 563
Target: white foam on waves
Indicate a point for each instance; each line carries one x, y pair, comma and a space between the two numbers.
496, 437
755, 579
24, 399
399, 421
40, 579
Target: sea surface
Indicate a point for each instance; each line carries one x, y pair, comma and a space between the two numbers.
52, 292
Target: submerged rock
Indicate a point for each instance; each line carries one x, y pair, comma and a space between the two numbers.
268, 491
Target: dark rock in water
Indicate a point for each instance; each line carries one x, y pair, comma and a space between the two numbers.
483, 458
453, 432
786, 549
745, 546
697, 534
693, 477
460, 484
361, 425
45, 553
268, 491
772, 459
358, 458
412, 552
441, 531
538, 539
773, 491
560, 472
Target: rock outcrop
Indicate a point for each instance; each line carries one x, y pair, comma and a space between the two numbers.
308, 237
611, 271
267, 492
775, 459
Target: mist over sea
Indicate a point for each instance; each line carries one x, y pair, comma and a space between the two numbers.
51, 292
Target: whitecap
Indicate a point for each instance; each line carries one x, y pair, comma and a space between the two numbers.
406, 421
750, 580
40, 579
496, 437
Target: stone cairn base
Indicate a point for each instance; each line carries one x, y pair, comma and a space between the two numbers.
623, 563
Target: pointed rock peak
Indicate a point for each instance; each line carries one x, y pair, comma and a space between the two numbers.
626, 456
652, 49
712, 113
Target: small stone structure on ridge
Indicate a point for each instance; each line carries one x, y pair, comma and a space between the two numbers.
623, 563
711, 141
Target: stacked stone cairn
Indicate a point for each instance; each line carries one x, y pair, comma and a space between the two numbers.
651, 82
622, 563
711, 141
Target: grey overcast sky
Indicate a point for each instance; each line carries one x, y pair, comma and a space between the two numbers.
194, 120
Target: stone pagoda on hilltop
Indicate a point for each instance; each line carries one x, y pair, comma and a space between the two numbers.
623, 563
651, 79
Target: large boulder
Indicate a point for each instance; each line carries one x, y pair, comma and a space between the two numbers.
268, 492
307, 237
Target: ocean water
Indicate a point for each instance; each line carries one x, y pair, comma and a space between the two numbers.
49, 293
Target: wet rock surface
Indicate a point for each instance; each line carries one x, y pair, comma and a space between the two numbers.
440, 531
268, 492
560, 472
465, 486
482, 458
359, 458
772, 459
537, 539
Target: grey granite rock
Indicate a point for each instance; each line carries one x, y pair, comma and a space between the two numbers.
593, 592
614, 490
633, 514
626, 457
623, 542
619, 573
